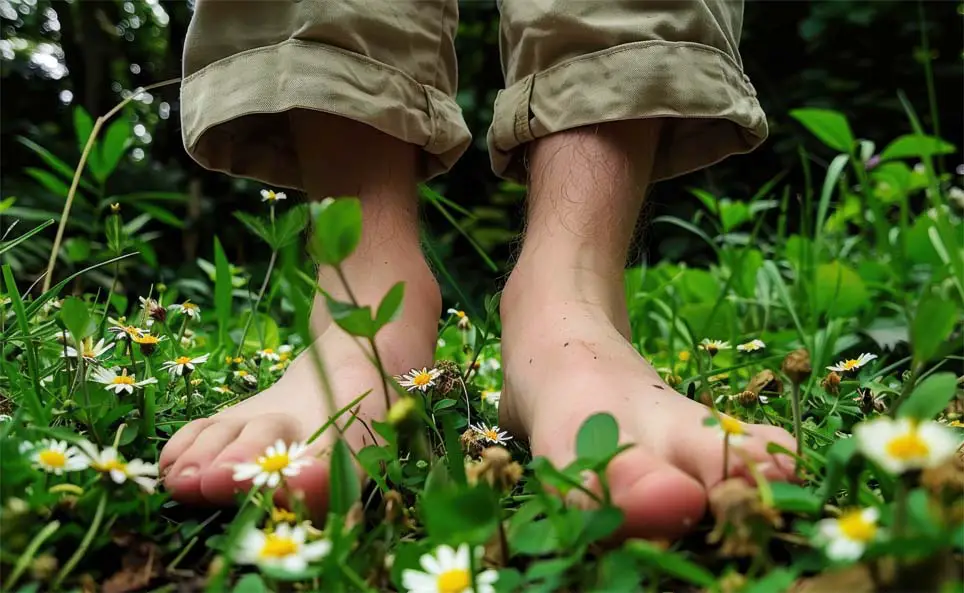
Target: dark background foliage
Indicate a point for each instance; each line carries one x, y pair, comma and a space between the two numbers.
852, 56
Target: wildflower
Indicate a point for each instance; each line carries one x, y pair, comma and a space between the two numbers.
491, 397
183, 365
122, 331
744, 521
752, 346
153, 311
89, 350
746, 398
268, 195
109, 462
286, 547
496, 468
905, 444
418, 379
852, 364
187, 308
120, 383
279, 515
956, 424
846, 537
492, 434
245, 376
147, 342
223, 390
797, 366
279, 461
730, 428
448, 571
5, 418
279, 366
56, 457
714, 346
684, 356
269, 354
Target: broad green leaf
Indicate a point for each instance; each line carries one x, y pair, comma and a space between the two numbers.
460, 515
83, 126
733, 214
256, 226
391, 306
357, 321
840, 290
829, 126
598, 437
222, 291
263, 333
344, 489
795, 499
113, 146
50, 181
929, 397
671, 563
779, 579
887, 332
77, 249
933, 323
701, 318
76, 318
337, 230
839, 455
250, 583
599, 524
535, 539
916, 146
289, 225
618, 572
698, 286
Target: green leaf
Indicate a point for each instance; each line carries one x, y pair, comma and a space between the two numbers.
337, 230
357, 321
257, 226
83, 126
779, 579
618, 572
76, 318
289, 226
59, 166
263, 333
6, 246
840, 291
795, 499
250, 583
839, 456
535, 539
77, 249
345, 489
160, 214
222, 291
733, 214
598, 437
829, 126
391, 306
115, 143
935, 319
599, 524
916, 146
671, 563
460, 515
929, 397
49, 181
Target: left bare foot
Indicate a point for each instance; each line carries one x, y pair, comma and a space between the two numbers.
566, 358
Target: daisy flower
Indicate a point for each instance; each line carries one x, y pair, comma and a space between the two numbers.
448, 570
183, 365
246, 377
279, 366
147, 342
279, 461
905, 444
268, 195
752, 346
109, 462
56, 457
457, 312
187, 308
491, 397
731, 428
89, 350
846, 537
852, 364
419, 379
714, 346
122, 331
285, 547
269, 354
223, 390
120, 383
492, 434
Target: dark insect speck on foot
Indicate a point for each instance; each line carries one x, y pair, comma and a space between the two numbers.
530, 361
566, 345
658, 386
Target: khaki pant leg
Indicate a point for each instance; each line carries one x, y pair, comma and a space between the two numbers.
571, 63
386, 63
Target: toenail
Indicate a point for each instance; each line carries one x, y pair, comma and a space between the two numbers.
188, 471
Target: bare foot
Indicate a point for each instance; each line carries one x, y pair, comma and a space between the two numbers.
199, 458
565, 358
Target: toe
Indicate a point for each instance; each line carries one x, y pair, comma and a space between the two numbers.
217, 481
773, 466
657, 499
181, 440
183, 478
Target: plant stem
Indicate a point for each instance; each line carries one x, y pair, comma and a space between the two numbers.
900, 508
190, 397
84, 544
797, 420
27, 555
257, 302
371, 339
726, 455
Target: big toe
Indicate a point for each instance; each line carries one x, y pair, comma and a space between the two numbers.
191, 452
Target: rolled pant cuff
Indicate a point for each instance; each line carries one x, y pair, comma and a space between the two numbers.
709, 105
232, 109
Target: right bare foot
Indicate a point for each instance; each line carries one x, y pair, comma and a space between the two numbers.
198, 460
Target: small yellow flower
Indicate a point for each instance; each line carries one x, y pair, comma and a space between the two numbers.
730, 428
493, 434
279, 515
684, 356
419, 379
55, 457
713, 346
752, 346
846, 537
449, 570
286, 547
904, 444
268, 195
278, 462
852, 364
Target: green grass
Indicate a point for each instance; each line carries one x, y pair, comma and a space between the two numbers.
873, 265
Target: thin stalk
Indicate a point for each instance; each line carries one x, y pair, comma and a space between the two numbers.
797, 420
257, 302
84, 544
190, 404
371, 340
65, 214
900, 508
29, 552
726, 455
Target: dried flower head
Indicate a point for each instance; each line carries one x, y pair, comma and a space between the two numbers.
831, 383
797, 366
743, 522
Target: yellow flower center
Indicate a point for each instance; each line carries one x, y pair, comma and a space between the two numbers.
491, 434
268, 351
111, 465
284, 356
849, 365
242, 373
684, 356
276, 546
52, 458
282, 516
907, 447
854, 527
145, 339
189, 306
456, 580
274, 463
182, 360
123, 380
460, 314
89, 351
731, 425
422, 379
